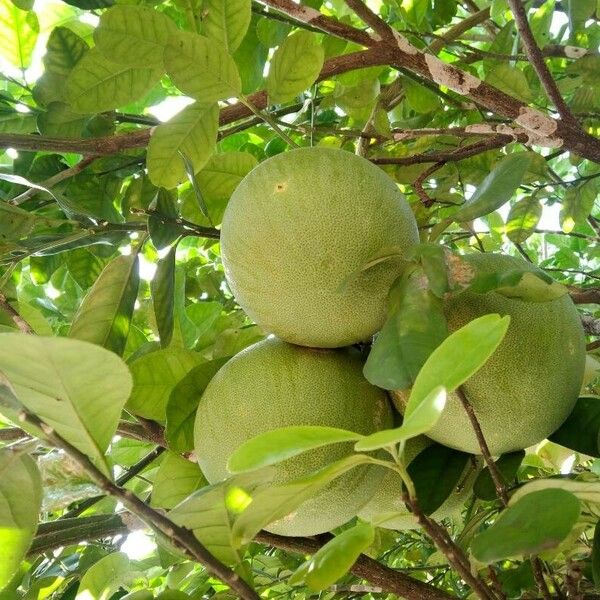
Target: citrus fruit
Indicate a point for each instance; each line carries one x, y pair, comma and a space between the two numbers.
273, 384
297, 235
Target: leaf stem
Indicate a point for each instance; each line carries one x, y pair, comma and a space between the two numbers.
266, 117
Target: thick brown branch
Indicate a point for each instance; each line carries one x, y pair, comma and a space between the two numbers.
590, 325
537, 60
586, 296
17, 319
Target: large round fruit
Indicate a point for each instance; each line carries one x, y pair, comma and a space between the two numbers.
531, 383
388, 495
273, 384
295, 235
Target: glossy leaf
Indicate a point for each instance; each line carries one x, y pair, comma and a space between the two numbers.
226, 21
75, 387
421, 420
333, 560
183, 403
581, 431
97, 84
275, 446
105, 577
104, 317
521, 284
507, 465
154, 376
536, 522
176, 479
416, 325
163, 296
497, 188
523, 219
295, 66
20, 504
134, 35
201, 68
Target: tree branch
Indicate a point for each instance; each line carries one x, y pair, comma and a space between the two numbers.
585, 296
17, 319
537, 60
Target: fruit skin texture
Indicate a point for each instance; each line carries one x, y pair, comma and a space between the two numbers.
297, 227
273, 384
531, 383
388, 496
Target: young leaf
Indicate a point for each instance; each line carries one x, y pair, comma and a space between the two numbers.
154, 376
523, 218
192, 132
18, 34
104, 316
183, 403
162, 287
226, 21
280, 444
421, 420
474, 343
201, 68
105, 577
295, 66
497, 188
21, 501
75, 387
134, 35
176, 479
507, 465
581, 430
536, 522
276, 501
333, 560
97, 84
436, 472
416, 325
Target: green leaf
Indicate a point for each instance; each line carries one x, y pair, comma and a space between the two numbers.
271, 32
105, 577
596, 556
83, 266
210, 513
510, 80
507, 465
63, 51
474, 344
577, 205
333, 560
295, 66
226, 21
523, 218
540, 23
497, 188
176, 479
192, 132
60, 121
191, 175
162, 222
97, 84
104, 317
518, 283
581, 430
20, 504
163, 296
275, 446
420, 98
250, 59
421, 420
154, 377
18, 34
536, 522
436, 472
183, 403
416, 325
134, 35
201, 68
276, 501
75, 387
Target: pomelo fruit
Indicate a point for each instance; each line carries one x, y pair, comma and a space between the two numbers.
388, 495
273, 384
295, 235
530, 384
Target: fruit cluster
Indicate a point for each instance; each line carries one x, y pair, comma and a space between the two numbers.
296, 237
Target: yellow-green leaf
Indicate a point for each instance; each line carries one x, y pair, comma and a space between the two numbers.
226, 21
18, 34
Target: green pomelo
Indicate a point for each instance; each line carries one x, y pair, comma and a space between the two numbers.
297, 232
531, 383
388, 496
273, 384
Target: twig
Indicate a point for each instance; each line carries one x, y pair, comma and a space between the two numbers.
17, 319
585, 296
373, 20
537, 60
12, 434
485, 451
418, 184
593, 346
538, 575
181, 537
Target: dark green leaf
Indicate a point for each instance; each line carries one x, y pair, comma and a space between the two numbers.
581, 430
163, 296
507, 466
